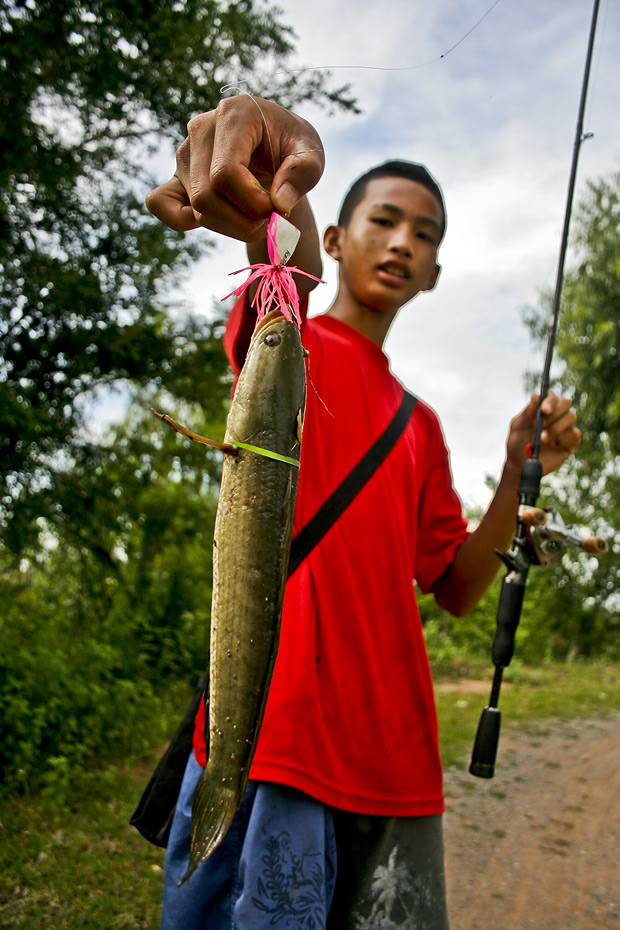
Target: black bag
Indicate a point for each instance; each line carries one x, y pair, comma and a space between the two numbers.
155, 810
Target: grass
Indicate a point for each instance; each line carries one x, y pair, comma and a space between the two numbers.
81, 865
530, 697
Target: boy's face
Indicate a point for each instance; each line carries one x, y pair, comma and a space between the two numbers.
388, 252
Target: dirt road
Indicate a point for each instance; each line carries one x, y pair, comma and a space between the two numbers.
538, 846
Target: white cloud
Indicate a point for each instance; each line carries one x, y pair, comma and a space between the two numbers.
494, 120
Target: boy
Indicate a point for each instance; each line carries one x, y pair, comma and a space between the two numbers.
341, 824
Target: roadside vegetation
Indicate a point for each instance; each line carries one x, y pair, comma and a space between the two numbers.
105, 535
79, 864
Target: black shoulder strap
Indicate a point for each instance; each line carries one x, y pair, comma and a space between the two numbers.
349, 488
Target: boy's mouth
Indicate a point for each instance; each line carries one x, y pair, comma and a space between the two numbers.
395, 268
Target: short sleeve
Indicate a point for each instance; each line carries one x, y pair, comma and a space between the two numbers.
442, 527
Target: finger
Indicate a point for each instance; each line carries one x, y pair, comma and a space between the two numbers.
576, 435
569, 440
561, 417
525, 420
549, 403
299, 172
208, 158
170, 204
238, 141
532, 407
566, 434
275, 144
223, 217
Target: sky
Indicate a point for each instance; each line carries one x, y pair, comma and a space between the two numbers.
494, 120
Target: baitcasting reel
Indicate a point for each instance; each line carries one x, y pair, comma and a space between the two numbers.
549, 538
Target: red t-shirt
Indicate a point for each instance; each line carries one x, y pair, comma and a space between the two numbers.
350, 718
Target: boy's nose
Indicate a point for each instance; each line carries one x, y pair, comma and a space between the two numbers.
401, 242
401, 247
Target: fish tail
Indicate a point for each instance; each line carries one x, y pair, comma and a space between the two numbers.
213, 809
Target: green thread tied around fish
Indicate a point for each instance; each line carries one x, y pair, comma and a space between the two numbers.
224, 446
267, 452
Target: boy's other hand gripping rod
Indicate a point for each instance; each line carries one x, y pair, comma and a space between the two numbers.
517, 559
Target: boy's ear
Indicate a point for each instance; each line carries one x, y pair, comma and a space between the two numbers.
332, 242
433, 278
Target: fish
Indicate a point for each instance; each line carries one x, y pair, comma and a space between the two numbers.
251, 544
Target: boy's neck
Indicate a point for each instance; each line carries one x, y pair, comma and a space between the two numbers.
371, 323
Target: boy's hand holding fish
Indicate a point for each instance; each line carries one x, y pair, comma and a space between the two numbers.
225, 167
227, 151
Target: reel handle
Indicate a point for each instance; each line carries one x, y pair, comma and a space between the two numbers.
596, 545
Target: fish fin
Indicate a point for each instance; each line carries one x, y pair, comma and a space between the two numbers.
300, 425
307, 357
195, 437
213, 809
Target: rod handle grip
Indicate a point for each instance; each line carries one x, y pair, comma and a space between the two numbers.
508, 616
484, 753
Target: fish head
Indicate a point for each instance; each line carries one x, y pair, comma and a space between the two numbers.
271, 388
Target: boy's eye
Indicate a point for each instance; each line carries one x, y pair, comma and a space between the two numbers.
382, 221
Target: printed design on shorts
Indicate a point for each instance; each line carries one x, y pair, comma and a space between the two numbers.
396, 897
291, 888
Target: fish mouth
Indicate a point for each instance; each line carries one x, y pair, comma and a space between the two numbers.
274, 316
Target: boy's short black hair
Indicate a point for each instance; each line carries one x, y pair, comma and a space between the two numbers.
390, 169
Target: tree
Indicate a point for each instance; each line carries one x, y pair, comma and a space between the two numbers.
588, 345
105, 545
104, 620
88, 90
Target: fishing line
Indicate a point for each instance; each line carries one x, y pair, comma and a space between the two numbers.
594, 81
249, 94
233, 85
273, 158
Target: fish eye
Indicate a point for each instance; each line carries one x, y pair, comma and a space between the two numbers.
272, 339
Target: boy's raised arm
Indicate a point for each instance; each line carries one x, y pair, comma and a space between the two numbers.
227, 151
460, 588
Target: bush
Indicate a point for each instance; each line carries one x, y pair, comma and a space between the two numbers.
104, 619
65, 706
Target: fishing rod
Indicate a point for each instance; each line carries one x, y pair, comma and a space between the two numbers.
529, 541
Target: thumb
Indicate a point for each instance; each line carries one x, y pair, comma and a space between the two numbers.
532, 408
527, 417
298, 174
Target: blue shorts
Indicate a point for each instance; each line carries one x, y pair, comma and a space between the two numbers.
289, 862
